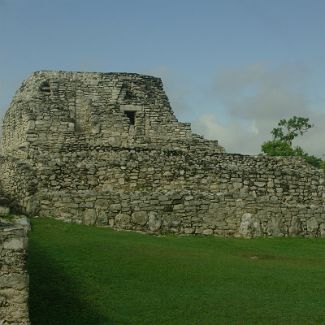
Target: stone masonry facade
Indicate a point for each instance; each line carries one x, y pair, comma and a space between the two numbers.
106, 149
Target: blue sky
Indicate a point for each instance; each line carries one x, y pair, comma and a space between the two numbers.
232, 68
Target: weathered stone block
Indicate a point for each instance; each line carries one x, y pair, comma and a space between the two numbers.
140, 217
274, 227
312, 225
249, 226
122, 219
322, 229
90, 216
295, 228
154, 221
13, 276
4, 211
207, 232
15, 243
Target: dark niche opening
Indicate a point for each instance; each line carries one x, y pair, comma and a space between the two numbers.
45, 87
131, 116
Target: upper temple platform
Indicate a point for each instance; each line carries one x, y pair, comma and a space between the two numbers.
117, 109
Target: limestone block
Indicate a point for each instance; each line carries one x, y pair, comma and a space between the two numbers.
295, 228
237, 185
32, 207
3, 300
189, 230
13, 280
274, 227
207, 232
115, 207
101, 203
114, 141
140, 217
89, 216
122, 219
154, 221
16, 243
4, 211
10, 294
312, 225
107, 186
249, 226
71, 127
102, 218
178, 207
322, 229
96, 129
213, 219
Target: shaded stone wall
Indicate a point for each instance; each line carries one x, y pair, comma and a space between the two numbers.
13, 275
18, 183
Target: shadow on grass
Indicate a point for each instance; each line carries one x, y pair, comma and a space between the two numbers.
56, 297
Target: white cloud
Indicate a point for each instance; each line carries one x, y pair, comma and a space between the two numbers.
255, 99
176, 86
235, 136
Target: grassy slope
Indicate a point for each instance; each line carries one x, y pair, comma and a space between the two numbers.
87, 275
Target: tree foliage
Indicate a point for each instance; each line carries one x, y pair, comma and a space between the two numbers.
289, 129
277, 148
284, 134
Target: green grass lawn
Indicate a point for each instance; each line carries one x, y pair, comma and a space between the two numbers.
87, 275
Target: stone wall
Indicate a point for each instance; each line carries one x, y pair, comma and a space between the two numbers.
13, 275
92, 108
107, 149
18, 183
185, 192
106, 168
187, 212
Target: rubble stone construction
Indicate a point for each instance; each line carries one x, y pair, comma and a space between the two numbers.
106, 149
13, 275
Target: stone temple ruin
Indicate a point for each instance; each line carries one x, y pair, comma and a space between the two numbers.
106, 149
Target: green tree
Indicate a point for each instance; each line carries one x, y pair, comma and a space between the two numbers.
277, 148
284, 134
289, 129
